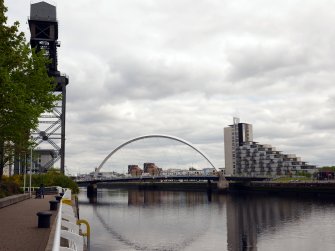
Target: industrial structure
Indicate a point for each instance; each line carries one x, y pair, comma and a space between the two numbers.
243, 156
43, 26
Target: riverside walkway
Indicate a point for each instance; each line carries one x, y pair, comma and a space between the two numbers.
18, 225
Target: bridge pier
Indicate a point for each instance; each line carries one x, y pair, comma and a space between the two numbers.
209, 190
92, 190
222, 184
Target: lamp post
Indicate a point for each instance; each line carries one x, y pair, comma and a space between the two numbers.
24, 173
31, 166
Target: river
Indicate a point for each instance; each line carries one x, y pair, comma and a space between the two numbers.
123, 219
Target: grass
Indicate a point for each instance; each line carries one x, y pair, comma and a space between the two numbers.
292, 179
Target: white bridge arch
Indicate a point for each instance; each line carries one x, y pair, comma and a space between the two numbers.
153, 136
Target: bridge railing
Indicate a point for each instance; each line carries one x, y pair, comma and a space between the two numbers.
68, 227
143, 177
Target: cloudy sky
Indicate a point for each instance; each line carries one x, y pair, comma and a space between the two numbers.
186, 68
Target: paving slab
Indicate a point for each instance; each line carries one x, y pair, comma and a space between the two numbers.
18, 225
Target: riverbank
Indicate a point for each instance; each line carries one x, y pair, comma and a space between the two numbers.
286, 188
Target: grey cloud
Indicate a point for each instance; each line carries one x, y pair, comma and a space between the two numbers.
262, 59
185, 68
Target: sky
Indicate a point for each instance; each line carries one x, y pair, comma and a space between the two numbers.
186, 68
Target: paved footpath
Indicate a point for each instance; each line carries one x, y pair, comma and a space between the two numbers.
18, 225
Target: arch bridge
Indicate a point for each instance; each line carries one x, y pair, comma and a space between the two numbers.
92, 184
153, 136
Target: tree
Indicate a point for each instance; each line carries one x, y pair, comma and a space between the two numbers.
25, 89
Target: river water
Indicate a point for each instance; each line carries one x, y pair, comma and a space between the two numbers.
165, 220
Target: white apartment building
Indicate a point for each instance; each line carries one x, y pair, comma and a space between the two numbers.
235, 135
243, 156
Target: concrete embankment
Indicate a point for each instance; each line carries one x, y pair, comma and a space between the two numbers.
294, 188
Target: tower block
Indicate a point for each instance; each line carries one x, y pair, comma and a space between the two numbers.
43, 26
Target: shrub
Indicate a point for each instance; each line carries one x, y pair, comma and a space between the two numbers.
54, 178
9, 186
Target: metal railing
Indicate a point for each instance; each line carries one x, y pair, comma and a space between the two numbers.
68, 227
33, 189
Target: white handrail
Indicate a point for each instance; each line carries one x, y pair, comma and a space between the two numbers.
66, 219
56, 244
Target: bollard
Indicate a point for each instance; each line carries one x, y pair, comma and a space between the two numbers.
58, 198
53, 205
44, 219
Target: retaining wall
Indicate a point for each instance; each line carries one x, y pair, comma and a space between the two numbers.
4, 202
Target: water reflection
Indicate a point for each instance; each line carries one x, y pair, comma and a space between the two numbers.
147, 198
165, 220
154, 213
249, 216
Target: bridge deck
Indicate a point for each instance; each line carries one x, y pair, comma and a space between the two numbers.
172, 178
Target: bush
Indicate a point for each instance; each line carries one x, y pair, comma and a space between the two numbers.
51, 178
304, 174
54, 178
9, 186
327, 169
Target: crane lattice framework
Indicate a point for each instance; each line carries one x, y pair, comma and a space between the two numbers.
153, 136
43, 26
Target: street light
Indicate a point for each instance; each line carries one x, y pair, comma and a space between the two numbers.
24, 173
31, 166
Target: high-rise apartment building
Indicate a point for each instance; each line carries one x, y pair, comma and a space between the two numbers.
243, 156
235, 136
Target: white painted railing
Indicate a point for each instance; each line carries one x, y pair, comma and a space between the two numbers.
26, 189
68, 228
